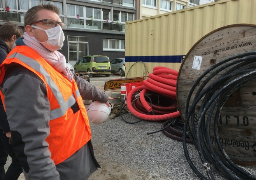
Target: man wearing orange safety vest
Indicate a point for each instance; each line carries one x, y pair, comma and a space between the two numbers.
43, 100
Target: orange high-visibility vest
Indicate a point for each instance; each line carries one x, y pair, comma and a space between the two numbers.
69, 130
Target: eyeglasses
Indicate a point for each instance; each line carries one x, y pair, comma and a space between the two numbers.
51, 23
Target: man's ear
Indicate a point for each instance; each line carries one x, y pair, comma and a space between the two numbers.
13, 38
29, 30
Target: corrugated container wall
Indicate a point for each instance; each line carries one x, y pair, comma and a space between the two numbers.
165, 39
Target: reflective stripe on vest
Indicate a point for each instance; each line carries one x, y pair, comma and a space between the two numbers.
64, 106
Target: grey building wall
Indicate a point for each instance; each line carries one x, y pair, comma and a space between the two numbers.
95, 41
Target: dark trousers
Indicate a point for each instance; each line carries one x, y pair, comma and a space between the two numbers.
3, 157
15, 168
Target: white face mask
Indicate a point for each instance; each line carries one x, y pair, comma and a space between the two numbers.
13, 46
55, 38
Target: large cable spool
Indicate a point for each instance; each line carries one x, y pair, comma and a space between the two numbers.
236, 128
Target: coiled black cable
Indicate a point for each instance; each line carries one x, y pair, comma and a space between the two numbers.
174, 129
225, 77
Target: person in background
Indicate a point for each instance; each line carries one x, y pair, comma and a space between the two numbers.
43, 100
8, 34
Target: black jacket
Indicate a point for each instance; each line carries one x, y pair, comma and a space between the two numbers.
4, 50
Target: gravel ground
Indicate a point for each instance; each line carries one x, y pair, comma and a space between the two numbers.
146, 156
126, 152
141, 156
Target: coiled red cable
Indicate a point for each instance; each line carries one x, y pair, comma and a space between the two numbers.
163, 82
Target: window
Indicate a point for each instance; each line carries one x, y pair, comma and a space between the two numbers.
89, 12
117, 2
18, 8
97, 13
114, 61
93, 13
129, 3
126, 17
105, 44
11, 4
130, 17
179, 6
13, 15
122, 44
75, 11
166, 5
149, 3
113, 45
86, 59
197, 2
78, 38
115, 23
24, 5
116, 15
22, 15
93, 18
75, 16
79, 11
77, 47
35, 2
57, 4
108, 1
106, 13
90, 24
101, 59
118, 20
75, 22
123, 16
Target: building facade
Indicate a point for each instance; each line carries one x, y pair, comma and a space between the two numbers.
95, 27
148, 8
206, 1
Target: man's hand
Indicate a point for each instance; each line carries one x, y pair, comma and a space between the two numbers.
107, 103
8, 134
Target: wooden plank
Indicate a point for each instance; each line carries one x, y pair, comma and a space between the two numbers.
116, 83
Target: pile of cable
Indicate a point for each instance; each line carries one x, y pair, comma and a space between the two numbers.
162, 82
226, 76
174, 129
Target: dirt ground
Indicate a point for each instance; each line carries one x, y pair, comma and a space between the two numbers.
116, 171
109, 171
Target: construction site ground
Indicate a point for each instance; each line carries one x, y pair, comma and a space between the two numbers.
126, 152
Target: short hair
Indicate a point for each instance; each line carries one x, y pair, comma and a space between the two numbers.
31, 14
7, 30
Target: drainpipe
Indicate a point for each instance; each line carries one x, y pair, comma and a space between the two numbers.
64, 7
174, 5
158, 7
138, 9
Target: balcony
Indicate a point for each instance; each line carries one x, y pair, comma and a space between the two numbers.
118, 2
94, 25
196, 2
10, 16
113, 26
71, 22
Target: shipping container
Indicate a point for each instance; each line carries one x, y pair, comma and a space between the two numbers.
165, 39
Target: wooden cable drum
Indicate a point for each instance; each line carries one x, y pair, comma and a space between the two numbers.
237, 121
